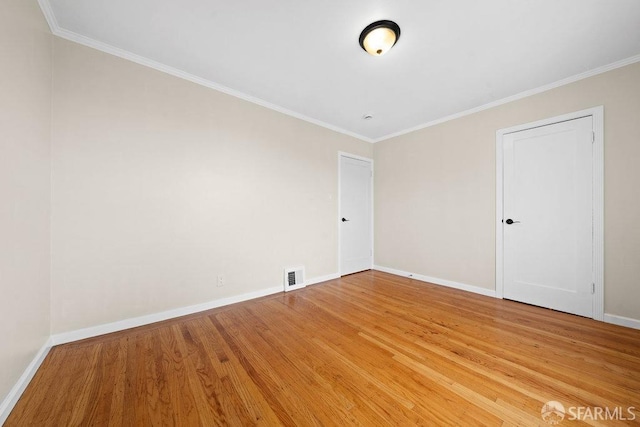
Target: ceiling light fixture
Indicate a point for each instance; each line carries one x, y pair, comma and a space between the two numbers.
377, 38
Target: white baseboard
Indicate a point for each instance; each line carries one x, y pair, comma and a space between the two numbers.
622, 321
14, 394
608, 318
311, 282
436, 281
94, 331
321, 279
66, 337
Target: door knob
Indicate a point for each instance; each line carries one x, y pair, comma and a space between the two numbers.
510, 221
344, 220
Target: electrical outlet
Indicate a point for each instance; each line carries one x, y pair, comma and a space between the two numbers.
220, 280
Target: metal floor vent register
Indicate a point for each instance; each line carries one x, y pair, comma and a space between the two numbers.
293, 279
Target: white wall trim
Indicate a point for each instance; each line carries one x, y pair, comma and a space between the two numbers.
47, 11
321, 279
622, 321
355, 156
294, 288
442, 282
521, 95
121, 325
45, 6
138, 59
15, 393
342, 154
597, 113
598, 212
311, 282
107, 328
66, 337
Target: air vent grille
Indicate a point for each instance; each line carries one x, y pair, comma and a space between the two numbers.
293, 278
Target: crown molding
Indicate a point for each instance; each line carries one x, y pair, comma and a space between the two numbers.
521, 95
47, 10
138, 59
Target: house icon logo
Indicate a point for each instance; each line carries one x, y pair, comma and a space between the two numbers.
552, 412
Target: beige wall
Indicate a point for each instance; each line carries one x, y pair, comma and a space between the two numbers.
159, 185
25, 111
435, 188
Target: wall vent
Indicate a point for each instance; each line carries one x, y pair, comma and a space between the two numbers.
293, 278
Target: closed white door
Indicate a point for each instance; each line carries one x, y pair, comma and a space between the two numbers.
548, 216
356, 215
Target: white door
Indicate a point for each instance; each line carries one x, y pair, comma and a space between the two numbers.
548, 216
356, 215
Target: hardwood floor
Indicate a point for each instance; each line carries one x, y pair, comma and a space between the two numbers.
368, 349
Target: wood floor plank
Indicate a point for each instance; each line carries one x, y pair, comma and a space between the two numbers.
256, 407
180, 391
295, 345
373, 367
120, 378
364, 350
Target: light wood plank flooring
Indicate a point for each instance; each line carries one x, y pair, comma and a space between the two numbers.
368, 349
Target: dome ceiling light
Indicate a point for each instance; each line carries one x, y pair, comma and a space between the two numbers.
377, 38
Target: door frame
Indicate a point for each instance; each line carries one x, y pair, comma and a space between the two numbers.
342, 154
597, 114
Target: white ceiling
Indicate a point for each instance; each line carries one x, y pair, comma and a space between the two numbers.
303, 57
